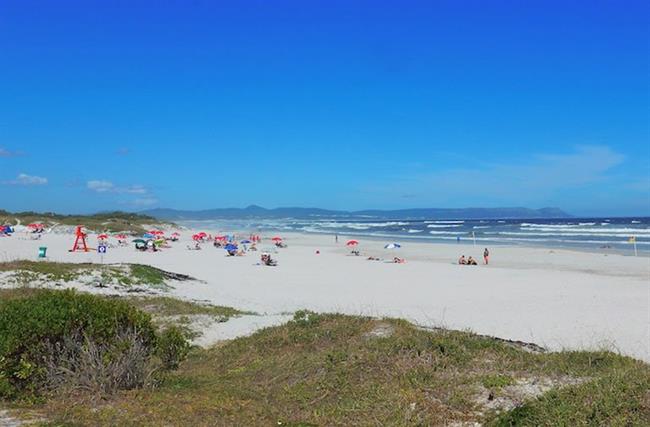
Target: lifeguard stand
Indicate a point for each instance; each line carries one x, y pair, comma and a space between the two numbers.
80, 240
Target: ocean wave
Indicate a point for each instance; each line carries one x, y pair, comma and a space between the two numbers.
444, 222
482, 226
528, 224
358, 225
630, 231
559, 234
415, 231
444, 225
446, 232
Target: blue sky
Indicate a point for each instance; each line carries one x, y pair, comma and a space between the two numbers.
336, 104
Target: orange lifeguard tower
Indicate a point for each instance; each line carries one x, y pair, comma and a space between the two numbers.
80, 241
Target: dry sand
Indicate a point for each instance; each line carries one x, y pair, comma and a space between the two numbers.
559, 299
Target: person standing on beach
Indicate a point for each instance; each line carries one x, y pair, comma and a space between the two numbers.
336, 238
486, 256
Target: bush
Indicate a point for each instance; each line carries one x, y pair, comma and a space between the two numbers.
51, 337
172, 347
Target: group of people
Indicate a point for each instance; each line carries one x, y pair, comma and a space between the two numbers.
471, 261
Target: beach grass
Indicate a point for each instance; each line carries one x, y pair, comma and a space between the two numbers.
348, 370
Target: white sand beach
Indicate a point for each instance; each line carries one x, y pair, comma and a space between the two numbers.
559, 299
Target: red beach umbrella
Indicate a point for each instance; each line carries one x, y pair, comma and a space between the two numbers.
277, 239
103, 236
176, 234
352, 243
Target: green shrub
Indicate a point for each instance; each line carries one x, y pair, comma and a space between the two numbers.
172, 347
32, 327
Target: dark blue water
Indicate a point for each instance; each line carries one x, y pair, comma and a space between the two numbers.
588, 233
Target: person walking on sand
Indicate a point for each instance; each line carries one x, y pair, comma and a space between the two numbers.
336, 238
486, 256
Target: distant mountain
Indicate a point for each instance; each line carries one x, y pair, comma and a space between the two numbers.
254, 211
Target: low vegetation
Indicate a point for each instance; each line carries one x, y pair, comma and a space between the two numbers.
72, 343
101, 222
347, 370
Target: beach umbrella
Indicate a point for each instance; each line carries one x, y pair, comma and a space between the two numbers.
138, 241
120, 236
352, 243
245, 242
147, 236
202, 234
220, 238
103, 236
176, 234
393, 246
196, 237
277, 239
230, 247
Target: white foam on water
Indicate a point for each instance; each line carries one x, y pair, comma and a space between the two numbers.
444, 225
631, 231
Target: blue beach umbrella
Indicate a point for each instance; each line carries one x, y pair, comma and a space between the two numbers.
148, 236
245, 242
393, 246
230, 247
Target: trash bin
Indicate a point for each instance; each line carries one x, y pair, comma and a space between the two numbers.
42, 252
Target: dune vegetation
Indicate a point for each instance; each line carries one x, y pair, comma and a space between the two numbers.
331, 369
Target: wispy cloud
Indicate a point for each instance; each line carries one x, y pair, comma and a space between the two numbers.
27, 180
535, 178
104, 186
9, 153
145, 201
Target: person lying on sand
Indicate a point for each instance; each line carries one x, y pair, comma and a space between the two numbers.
372, 258
398, 260
461, 260
266, 260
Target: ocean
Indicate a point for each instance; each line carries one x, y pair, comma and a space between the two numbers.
584, 233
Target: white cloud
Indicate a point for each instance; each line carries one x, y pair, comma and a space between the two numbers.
103, 186
27, 180
100, 186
